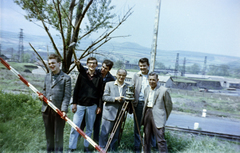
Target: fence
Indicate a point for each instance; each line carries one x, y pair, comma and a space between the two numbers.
205, 95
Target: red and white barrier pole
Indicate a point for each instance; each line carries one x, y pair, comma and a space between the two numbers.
52, 106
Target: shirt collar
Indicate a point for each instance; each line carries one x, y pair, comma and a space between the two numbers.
57, 73
140, 73
121, 85
95, 73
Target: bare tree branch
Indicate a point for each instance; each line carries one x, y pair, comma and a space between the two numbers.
69, 18
40, 58
46, 29
61, 28
129, 12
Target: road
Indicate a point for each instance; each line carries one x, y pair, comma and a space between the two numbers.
217, 125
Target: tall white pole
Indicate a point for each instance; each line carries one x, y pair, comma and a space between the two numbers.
155, 35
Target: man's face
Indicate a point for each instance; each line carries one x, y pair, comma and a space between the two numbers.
152, 81
143, 67
104, 69
92, 64
121, 76
54, 65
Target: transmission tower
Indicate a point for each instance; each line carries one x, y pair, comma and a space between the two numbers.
176, 65
205, 66
20, 46
183, 69
155, 35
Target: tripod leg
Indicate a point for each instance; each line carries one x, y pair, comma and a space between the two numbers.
121, 114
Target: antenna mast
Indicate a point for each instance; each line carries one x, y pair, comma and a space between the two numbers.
155, 35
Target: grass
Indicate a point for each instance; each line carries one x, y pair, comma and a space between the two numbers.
22, 130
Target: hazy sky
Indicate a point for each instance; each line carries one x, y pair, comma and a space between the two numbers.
211, 26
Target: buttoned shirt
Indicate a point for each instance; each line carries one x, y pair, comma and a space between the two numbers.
120, 87
145, 83
150, 97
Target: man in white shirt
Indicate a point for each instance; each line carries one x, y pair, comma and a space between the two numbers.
156, 110
140, 82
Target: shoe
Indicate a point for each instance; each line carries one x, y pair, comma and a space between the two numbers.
71, 150
86, 150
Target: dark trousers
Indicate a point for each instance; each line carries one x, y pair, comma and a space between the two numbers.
150, 129
54, 126
96, 127
138, 111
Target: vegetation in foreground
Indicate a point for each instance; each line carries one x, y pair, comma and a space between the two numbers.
22, 130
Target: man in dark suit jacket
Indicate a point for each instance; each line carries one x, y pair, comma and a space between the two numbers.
107, 76
57, 88
156, 110
113, 98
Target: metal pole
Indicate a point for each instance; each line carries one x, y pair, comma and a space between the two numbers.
52, 106
155, 35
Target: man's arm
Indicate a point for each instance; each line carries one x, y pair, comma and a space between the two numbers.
168, 103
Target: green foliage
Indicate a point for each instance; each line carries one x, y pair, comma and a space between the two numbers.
20, 128
160, 65
118, 64
221, 70
194, 69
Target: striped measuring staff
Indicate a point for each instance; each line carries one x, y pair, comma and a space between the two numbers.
52, 106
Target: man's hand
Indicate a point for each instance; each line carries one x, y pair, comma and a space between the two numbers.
98, 111
64, 115
40, 97
77, 62
120, 99
74, 108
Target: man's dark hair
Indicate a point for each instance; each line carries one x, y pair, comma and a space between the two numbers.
143, 60
153, 74
108, 63
91, 58
54, 56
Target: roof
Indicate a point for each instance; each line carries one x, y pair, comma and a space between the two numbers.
164, 78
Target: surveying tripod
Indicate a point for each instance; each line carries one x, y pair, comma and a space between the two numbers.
122, 118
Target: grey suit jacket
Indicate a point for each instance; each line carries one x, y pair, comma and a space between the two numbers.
137, 82
160, 101
110, 106
60, 91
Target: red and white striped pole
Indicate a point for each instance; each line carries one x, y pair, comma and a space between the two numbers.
52, 106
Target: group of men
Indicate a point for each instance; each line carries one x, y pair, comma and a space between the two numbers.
97, 101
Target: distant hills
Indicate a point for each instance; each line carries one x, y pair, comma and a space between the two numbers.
126, 51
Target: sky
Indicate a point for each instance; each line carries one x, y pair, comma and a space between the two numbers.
208, 26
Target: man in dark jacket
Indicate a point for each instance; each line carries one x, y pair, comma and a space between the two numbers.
107, 76
87, 100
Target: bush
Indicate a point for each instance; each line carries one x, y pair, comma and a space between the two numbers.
21, 123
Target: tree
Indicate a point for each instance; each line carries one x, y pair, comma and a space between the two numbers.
194, 69
221, 70
60, 15
160, 65
119, 64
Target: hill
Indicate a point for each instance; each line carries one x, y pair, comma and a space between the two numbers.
126, 51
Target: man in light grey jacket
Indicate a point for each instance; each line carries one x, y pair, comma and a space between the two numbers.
113, 99
57, 89
156, 110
